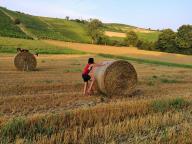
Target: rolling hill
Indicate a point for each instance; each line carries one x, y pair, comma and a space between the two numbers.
37, 27
118, 32
8, 29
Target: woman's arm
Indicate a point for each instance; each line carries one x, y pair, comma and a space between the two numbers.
91, 67
99, 65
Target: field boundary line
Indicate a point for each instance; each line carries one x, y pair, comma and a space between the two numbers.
24, 29
146, 61
7, 15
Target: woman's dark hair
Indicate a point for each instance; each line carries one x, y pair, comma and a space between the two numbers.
91, 60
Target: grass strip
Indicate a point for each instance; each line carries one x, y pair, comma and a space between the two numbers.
146, 61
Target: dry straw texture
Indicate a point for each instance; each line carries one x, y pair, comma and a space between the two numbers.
25, 61
116, 78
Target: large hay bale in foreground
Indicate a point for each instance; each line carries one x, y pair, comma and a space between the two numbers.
116, 78
25, 61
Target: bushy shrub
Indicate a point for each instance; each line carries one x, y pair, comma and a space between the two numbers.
184, 37
17, 21
131, 39
95, 30
176, 42
145, 45
166, 41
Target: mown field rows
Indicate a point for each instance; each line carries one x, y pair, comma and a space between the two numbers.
133, 122
47, 105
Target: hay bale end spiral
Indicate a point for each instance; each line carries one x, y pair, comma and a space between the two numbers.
116, 78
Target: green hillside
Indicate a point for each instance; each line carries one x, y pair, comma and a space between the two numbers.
34, 25
115, 27
143, 34
58, 29
8, 29
51, 28
73, 31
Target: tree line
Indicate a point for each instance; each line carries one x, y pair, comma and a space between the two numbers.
168, 40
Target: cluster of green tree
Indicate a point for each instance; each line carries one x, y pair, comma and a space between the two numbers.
168, 41
176, 42
76, 20
96, 32
80, 21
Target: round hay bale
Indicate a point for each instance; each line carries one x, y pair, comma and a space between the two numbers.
25, 61
116, 78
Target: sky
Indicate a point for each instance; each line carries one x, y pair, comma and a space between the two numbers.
155, 14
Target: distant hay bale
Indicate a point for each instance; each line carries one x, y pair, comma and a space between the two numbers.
116, 78
25, 61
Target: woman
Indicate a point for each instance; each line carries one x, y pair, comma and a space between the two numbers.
88, 75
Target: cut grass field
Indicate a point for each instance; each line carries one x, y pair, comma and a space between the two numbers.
129, 53
9, 45
47, 105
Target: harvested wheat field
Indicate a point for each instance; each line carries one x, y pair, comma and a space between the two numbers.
125, 51
47, 105
123, 34
115, 34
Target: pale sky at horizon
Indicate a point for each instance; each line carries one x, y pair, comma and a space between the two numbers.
155, 14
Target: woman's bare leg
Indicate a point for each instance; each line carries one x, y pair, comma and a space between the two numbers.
85, 88
91, 86
90, 90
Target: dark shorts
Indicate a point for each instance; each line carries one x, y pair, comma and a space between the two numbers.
86, 77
